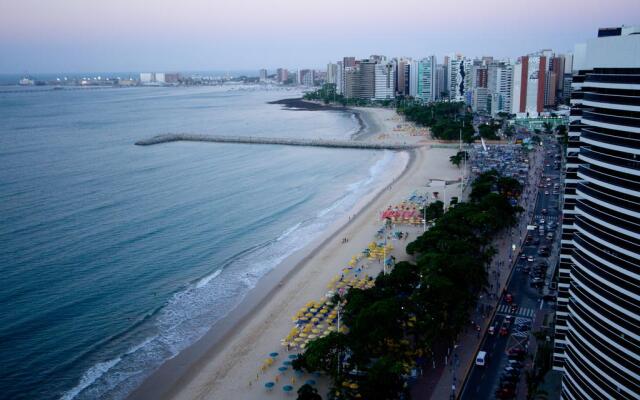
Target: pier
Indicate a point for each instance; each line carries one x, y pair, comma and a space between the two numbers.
343, 144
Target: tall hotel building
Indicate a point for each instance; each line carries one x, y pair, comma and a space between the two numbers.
597, 341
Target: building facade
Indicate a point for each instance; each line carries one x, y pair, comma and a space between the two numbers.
426, 90
385, 81
332, 74
529, 83
597, 341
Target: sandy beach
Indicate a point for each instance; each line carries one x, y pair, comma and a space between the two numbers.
225, 364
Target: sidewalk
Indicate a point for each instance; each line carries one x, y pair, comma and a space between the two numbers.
446, 379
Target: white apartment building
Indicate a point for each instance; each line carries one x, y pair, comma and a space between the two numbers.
385, 81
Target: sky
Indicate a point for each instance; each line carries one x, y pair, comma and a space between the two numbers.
38, 36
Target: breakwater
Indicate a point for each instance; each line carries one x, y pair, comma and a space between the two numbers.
345, 144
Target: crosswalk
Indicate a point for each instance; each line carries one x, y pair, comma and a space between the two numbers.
523, 312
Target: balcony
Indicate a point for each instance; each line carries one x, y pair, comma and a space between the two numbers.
622, 139
611, 119
632, 166
612, 78
598, 194
612, 99
587, 172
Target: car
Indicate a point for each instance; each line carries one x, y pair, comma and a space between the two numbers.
549, 236
530, 258
542, 221
526, 269
504, 330
517, 350
514, 308
510, 371
546, 192
508, 298
492, 330
543, 211
515, 364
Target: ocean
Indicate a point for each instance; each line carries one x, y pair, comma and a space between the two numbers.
115, 257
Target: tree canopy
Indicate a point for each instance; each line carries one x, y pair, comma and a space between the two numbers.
417, 305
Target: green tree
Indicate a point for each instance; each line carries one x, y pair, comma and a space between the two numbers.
308, 392
458, 158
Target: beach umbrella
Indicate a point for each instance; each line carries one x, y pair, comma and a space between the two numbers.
287, 388
286, 363
282, 369
269, 385
310, 382
293, 356
274, 354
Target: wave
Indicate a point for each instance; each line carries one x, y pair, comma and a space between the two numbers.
192, 311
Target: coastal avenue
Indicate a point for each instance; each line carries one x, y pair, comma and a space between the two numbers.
530, 309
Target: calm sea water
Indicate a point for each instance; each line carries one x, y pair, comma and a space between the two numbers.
115, 257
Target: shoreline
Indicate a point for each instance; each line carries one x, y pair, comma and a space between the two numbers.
175, 373
366, 126
219, 365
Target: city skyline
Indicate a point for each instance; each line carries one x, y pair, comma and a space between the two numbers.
68, 36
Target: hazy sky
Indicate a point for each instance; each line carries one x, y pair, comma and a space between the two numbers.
183, 35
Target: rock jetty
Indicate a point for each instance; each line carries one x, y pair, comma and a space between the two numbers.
345, 144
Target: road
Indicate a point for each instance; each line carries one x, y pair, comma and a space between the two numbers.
484, 381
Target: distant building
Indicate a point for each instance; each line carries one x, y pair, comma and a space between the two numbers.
305, 77
529, 83
385, 81
282, 75
413, 78
172, 78
160, 77
459, 78
359, 80
339, 77
332, 74
440, 88
263, 75
402, 76
426, 79
500, 86
366, 72
146, 77
349, 62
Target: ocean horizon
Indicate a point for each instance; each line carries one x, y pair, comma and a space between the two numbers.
116, 257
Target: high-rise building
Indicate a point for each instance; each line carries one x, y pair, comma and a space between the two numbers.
459, 78
426, 79
597, 340
366, 79
172, 77
402, 76
529, 83
413, 78
282, 75
349, 62
160, 77
339, 77
306, 77
146, 77
385, 81
263, 75
359, 80
441, 88
332, 73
